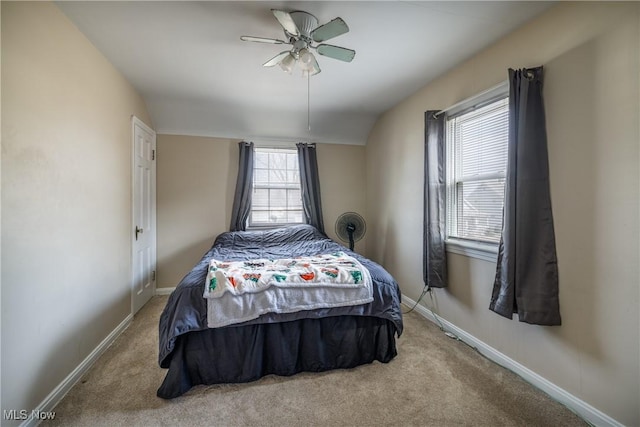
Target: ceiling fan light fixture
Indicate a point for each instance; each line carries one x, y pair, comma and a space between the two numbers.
308, 63
287, 63
306, 58
309, 73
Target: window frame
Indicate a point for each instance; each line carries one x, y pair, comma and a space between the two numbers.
468, 247
268, 225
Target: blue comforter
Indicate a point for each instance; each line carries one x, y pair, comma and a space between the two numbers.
186, 309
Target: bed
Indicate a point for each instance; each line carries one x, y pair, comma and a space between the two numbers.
274, 343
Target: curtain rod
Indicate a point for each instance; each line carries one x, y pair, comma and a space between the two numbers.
472, 98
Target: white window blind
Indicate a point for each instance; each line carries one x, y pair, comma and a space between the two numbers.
276, 198
476, 167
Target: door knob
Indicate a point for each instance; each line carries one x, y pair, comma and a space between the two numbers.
138, 231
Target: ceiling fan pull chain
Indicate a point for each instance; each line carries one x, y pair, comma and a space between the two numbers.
309, 105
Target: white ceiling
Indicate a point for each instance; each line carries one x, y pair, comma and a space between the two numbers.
198, 78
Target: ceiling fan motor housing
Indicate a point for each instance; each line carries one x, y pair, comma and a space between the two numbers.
305, 22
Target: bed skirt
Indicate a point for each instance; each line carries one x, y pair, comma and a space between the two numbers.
246, 353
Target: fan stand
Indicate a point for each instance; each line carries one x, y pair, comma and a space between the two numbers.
350, 229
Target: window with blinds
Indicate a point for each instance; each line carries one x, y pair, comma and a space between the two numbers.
476, 167
276, 198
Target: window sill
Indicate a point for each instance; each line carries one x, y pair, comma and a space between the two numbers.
271, 226
483, 251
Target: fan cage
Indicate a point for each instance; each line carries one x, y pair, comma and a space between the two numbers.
354, 218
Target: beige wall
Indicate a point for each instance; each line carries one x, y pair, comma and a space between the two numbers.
66, 199
196, 184
591, 56
342, 182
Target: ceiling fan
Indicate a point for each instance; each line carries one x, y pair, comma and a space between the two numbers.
301, 31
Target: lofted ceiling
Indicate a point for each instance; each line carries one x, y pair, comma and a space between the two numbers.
198, 78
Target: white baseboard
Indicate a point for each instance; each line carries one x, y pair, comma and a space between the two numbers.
578, 406
165, 291
50, 402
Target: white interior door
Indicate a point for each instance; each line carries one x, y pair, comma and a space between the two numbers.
144, 214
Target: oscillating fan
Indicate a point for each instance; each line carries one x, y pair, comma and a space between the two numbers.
350, 227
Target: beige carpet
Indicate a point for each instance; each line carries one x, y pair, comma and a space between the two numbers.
434, 381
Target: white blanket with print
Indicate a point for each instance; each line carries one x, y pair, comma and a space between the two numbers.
238, 291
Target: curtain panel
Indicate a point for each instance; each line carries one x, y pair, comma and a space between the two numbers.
526, 279
244, 186
310, 185
435, 256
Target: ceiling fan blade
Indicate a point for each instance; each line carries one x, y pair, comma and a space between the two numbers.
336, 52
276, 59
329, 30
261, 40
285, 19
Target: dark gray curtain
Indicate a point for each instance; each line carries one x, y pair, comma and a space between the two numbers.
310, 183
244, 186
527, 272
435, 256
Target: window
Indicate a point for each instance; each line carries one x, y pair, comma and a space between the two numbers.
476, 167
276, 196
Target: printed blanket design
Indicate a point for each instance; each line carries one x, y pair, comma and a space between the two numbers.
335, 270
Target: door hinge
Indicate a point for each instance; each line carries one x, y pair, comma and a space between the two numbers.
153, 276
153, 154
